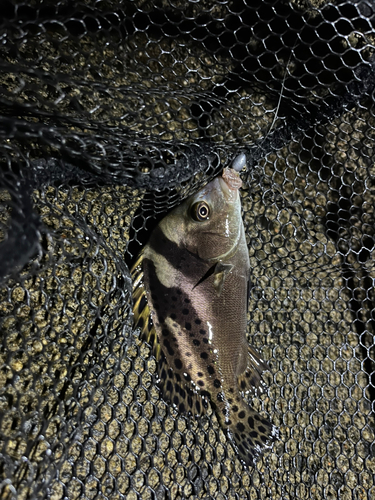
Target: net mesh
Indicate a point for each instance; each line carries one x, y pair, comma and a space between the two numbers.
113, 112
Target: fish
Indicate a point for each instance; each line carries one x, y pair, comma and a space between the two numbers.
191, 285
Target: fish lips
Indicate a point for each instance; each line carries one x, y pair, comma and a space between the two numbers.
228, 186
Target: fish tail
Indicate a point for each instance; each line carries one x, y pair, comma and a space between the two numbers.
251, 432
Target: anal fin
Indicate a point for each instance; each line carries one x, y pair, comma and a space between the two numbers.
250, 380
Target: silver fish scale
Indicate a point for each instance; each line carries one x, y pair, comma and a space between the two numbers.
111, 114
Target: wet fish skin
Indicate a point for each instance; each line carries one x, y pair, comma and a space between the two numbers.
194, 273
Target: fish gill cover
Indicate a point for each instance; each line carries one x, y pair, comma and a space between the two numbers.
111, 114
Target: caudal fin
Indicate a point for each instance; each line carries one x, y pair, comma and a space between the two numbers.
251, 432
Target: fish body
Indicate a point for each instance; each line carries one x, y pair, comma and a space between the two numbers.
191, 285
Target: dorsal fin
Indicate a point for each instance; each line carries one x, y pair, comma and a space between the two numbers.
141, 310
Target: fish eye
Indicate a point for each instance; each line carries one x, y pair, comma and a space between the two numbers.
200, 211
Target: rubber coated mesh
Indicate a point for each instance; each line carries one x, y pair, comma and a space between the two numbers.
113, 112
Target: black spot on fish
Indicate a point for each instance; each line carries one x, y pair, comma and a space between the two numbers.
179, 291
250, 421
197, 321
263, 438
241, 449
169, 386
175, 400
240, 427
190, 401
257, 417
200, 374
183, 393
253, 434
205, 341
211, 370
178, 363
204, 355
234, 408
217, 383
198, 406
220, 398
187, 377
178, 378
185, 311
262, 429
202, 332
182, 408
243, 385
168, 346
188, 326
188, 354
196, 342
201, 383
163, 374
241, 414
165, 332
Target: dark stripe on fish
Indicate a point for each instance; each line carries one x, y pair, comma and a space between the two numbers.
165, 247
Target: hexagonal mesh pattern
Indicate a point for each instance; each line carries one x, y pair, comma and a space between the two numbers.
111, 113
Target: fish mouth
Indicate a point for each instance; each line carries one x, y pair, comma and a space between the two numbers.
229, 184
232, 179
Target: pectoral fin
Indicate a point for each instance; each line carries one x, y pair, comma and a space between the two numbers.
220, 273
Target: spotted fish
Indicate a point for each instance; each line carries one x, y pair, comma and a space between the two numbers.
190, 292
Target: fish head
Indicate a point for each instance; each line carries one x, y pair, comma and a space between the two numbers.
208, 224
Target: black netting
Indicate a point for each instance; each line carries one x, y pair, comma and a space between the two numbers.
113, 112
